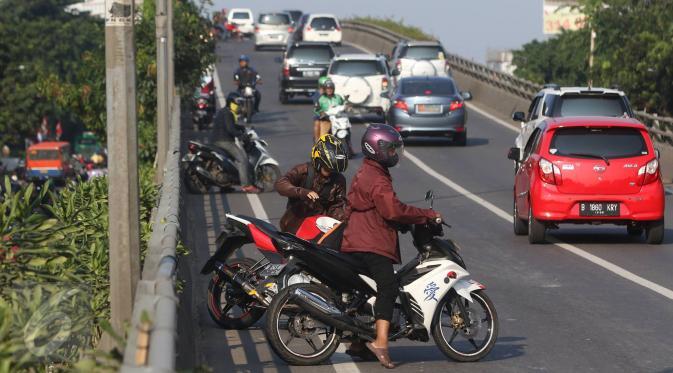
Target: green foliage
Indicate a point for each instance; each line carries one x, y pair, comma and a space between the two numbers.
54, 260
398, 26
634, 49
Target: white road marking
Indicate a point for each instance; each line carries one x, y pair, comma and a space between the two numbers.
619, 271
510, 126
257, 207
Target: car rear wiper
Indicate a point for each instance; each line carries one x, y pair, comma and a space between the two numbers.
595, 156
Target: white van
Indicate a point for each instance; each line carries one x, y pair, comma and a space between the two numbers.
321, 27
242, 18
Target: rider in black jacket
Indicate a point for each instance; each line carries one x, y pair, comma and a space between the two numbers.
231, 136
245, 74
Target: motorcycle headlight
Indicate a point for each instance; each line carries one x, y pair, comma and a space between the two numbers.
342, 134
247, 91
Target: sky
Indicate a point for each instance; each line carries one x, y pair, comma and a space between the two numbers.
466, 28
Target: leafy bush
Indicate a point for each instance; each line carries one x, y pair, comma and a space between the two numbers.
54, 258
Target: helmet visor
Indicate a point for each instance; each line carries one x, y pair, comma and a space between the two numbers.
394, 148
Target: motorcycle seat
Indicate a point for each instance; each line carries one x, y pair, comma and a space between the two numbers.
355, 264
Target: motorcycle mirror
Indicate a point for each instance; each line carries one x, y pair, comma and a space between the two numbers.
430, 197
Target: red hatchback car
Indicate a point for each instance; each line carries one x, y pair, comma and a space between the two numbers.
588, 170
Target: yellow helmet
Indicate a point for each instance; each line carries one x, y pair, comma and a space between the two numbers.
329, 152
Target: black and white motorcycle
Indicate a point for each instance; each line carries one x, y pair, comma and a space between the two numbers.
207, 165
307, 321
341, 125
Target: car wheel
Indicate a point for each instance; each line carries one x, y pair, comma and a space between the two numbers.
283, 98
461, 139
520, 227
536, 229
634, 230
654, 232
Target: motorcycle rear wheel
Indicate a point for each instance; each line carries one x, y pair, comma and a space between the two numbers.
447, 316
221, 311
285, 321
266, 176
193, 183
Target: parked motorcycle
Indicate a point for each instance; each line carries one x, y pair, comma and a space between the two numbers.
247, 102
341, 125
240, 290
307, 321
208, 165
202, 113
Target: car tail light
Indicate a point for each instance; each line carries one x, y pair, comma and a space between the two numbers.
202, 106
384, 84
308, 28
549, 172
338, 28
286, 70
402, 105
650, 172
192, 148
256, 28
455, 105
398, 128
290, 29
398, 64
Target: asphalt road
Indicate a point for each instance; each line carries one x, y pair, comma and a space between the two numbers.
600, 302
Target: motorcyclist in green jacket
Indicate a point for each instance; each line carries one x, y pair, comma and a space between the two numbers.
326, 101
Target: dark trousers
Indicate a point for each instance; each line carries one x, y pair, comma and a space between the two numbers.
241, 160
380, 269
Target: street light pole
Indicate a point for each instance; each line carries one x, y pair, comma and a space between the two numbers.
122, 139
163, 101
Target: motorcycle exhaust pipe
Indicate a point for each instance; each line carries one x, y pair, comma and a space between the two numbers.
245, 285
328, 313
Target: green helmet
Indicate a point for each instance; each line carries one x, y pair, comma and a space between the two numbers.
322, 81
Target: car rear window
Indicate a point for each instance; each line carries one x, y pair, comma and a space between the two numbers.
323, 23
275, 19
240, 15
43, 154
357, 68
594, 106
317, 54
424, 53
605, 142
424, 87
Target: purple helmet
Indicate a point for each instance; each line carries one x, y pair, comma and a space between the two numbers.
383, 144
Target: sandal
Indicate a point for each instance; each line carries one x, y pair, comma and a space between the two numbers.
381, 354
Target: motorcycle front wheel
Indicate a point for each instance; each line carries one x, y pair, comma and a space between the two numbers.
293, 334
228, 305
452, 335
266, 176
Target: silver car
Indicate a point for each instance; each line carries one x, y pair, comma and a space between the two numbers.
429, 106
272, 30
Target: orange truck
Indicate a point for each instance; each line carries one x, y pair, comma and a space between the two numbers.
49, 160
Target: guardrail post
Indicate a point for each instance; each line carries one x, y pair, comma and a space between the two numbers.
122, 137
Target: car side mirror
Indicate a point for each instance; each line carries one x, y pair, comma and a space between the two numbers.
467, 96
395, 72
657, 153
514, 154
519, 116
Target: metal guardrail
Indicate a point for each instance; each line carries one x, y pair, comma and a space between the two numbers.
152, 336
661, 128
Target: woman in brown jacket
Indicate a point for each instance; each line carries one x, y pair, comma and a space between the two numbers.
371, 233
315, 188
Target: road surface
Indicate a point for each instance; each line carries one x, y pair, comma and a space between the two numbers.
597, 301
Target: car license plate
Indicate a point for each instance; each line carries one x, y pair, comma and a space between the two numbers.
428, 109
599, 208
323, 34
276, 36
311, 74
272, 270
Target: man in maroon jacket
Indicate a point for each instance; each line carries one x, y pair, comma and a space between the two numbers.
371, 234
